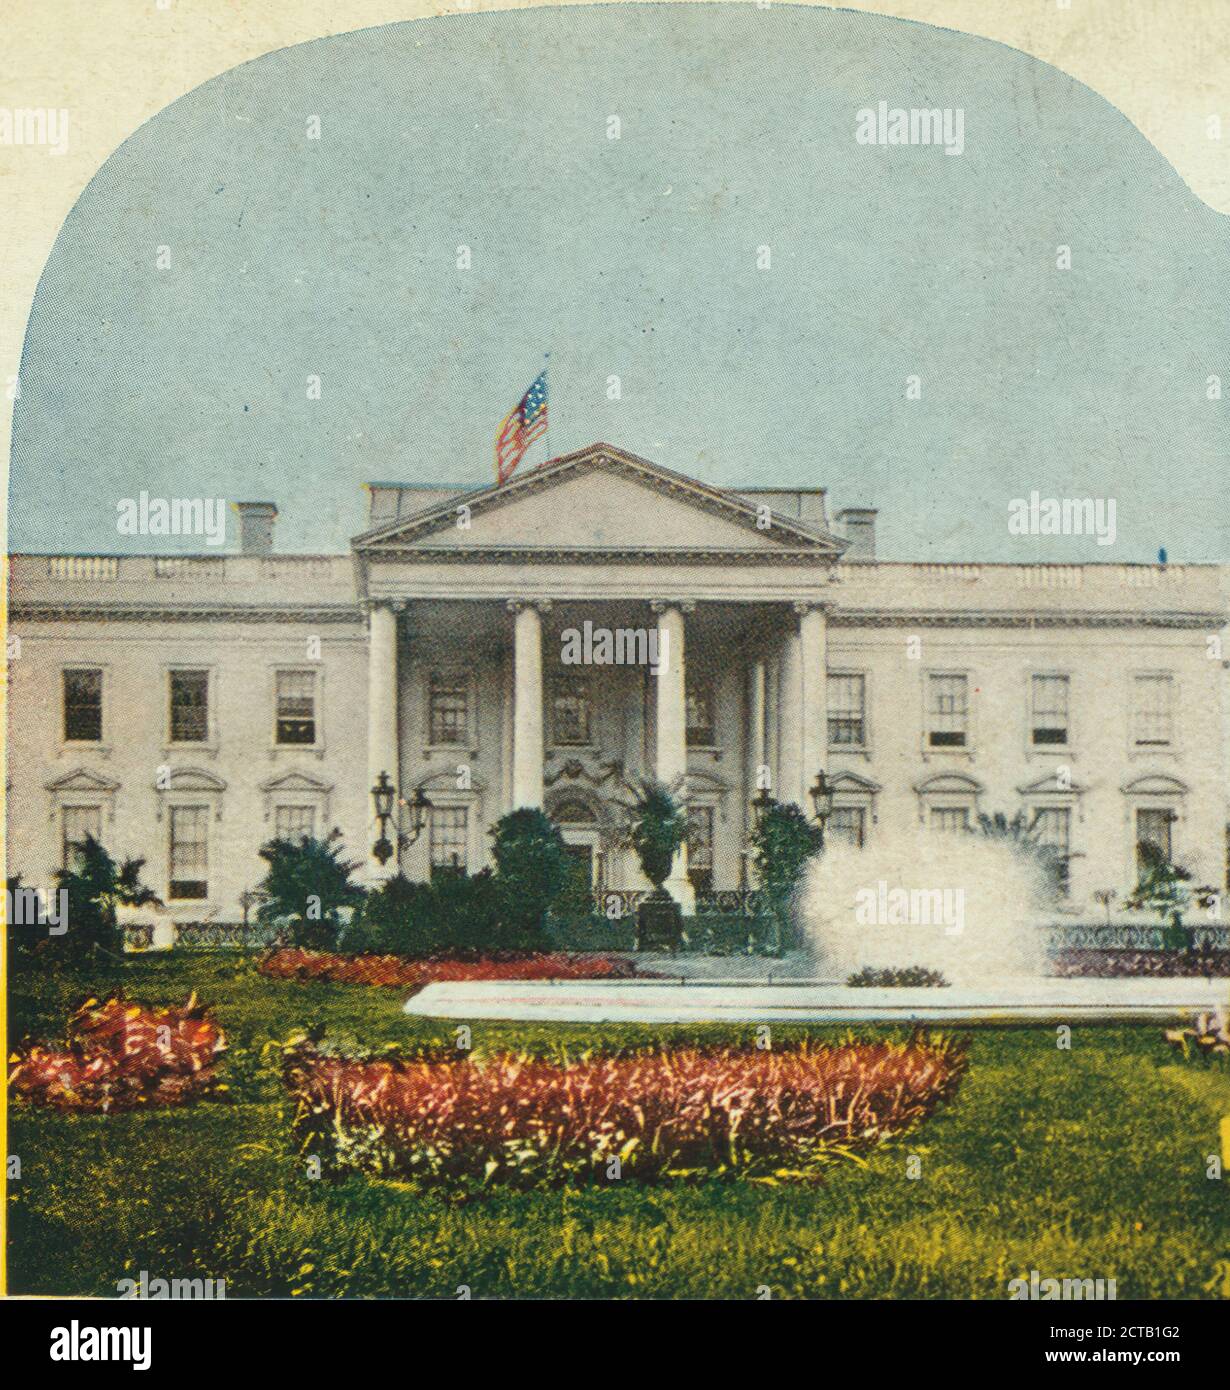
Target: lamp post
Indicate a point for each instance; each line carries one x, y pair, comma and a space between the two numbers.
383, 795
822, 801
760, 804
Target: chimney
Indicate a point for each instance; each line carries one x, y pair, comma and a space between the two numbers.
857, 525
256, 527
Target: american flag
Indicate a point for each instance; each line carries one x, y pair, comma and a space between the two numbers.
520, 427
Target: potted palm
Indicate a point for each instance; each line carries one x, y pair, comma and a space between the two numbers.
657, 828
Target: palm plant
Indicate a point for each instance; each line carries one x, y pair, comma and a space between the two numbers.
657, 828
96, 886
307, 886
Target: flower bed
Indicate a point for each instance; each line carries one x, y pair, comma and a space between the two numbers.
662, 1113
1095, 963
405, 971
121, 1056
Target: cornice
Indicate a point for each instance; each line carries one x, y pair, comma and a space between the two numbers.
50, 612
552, 555
1022, 618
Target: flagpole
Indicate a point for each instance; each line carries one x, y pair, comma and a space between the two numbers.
547, 432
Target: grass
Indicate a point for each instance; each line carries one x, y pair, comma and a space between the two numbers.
1090, 1162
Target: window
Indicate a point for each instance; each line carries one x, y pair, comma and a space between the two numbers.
189, 706
83, 706
294, 823
699, 701
570, 711
1153, 711
189, 851
296, 707
947, 711
950, 820
847, 826
447, 835
1048, 721
847, 711
1153, 827
700, 848
78, 822
1052, 826
449, 703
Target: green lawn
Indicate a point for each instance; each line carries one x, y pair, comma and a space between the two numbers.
1088, 1163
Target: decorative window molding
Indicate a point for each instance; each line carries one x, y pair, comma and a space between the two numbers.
297, 788
195, 785
944, 795
82, 786
854, 792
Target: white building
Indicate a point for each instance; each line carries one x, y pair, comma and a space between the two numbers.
188, 709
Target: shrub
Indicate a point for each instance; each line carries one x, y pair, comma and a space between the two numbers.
122, 1056
1164, 888
897, 977
782, 843
663, 1113
532, 869
96, 885
307, 886
454, 912
400, 971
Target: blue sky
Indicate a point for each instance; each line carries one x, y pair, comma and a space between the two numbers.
636, 257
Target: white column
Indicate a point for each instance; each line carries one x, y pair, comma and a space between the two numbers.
758, 755
527, 704
790, 722
671, 749
813, 635
382, 747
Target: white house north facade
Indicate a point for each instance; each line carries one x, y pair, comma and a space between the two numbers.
599, 619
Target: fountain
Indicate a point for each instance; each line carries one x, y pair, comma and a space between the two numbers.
971, 907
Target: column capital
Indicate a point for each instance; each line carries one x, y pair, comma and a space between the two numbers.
803, 606
661, 605
515, 605
370, 605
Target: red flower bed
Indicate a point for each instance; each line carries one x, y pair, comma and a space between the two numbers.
662, 1113
403, 971
121, 1056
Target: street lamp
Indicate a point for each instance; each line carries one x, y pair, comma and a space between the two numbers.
822, 797
382, 797
760, 804
418, 806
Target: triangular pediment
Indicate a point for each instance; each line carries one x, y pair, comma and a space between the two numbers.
600, 499
296, 782
83, 779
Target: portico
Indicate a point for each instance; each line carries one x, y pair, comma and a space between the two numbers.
482, 695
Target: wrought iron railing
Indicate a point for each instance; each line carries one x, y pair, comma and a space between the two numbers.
205, 936
1131, 936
